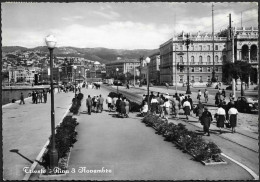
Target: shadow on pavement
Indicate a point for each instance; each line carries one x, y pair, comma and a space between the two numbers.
17, 151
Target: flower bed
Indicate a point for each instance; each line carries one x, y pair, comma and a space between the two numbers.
76, 103
65, 137
188, 141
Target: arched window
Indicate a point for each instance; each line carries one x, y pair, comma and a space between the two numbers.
208, 59
216, 58
200, 59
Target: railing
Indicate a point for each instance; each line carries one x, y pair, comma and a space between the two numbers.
247, 36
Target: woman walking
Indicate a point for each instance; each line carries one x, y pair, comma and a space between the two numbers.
200, 108
154, 103
166, 106
122, 107
127, 107
221, 117
233, 117
206, 119
186, 107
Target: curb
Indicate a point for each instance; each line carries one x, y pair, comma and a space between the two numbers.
35, 163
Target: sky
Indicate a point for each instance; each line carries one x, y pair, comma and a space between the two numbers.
126, 25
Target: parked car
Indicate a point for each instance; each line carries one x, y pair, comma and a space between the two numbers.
117, 83
246, 104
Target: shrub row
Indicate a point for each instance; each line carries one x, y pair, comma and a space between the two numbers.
76, 103
65, 137
134, 107
188, 141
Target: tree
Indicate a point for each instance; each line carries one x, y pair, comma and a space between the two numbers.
223, 33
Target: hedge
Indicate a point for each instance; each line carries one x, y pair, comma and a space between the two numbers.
76, 103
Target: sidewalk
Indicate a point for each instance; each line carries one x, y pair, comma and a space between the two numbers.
27, 128
134, 152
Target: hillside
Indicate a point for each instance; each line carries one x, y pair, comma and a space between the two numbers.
100, 54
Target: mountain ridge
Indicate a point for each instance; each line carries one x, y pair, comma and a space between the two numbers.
101, 54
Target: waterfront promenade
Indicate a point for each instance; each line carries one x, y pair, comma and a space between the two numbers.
27, 128
126, 146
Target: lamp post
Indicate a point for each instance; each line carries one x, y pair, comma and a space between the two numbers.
75, 67
187, 42
147, 60
180, 54
117, 79
79, 76
51, 42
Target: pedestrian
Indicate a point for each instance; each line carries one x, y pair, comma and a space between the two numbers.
40, 97
33, 96
199, 95
89, 104
122, 107
22, 99
206, 95
94, 103
199, 110
177, 106
36, 97
223, 93
217, 99
109, 103
167, 96
154, 103
186, 107
191, 102
206, 119
166, 107
114, 102
127, 107
144, 109
101, 101
118, 109
167, 85
233, 117
220, 117
45, 96
161, 103
97, 104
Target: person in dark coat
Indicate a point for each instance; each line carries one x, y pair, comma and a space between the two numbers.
122, 106
22, 99
206, 119
94, 103
33, 96
223, 93
191, 102
233, 117
199, 109
101, 101
36, 97
89, 104
118, 109
45, 96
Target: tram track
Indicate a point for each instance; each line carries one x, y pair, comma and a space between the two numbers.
134, 97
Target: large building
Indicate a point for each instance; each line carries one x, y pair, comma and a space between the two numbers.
201, 55
125, 66
154, 68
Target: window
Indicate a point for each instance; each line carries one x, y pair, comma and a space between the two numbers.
192, 69
208, 59
181, 78
200, 69
216, 59
200, 78
216, 69
192, 78
208, 78
208, 69
200, 47
192, 59
208, 47
181, 59
181, 48
192, 48
200, 60
216, 47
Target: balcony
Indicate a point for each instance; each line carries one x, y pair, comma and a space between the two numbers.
247, 36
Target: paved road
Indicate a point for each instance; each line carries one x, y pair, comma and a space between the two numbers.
134, 152
27, 128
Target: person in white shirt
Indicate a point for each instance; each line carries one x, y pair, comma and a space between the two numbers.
232, 112
144, 109
206, 95
186, 108
114, 102
109, 102
221, 117
154, 103
199, 95
166, 106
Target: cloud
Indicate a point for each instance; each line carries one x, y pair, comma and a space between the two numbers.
72, 18
111, 15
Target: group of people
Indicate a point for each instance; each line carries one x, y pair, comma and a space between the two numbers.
39, 96
94, 104
121, 104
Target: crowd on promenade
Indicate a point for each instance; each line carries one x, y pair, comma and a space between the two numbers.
164, 105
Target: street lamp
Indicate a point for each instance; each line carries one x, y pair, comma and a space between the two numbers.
180, 54
147, 60
117, 79
79, 76
187, 42
75, 67
51, 42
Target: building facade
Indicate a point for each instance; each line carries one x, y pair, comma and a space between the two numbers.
154, 68
125, 66
200, 55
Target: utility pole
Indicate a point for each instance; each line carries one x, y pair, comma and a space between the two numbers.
241, 19
213, 79
231, 36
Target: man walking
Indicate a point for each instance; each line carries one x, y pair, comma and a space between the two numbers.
89, 104
109, 103
206, 95
101, 101
22, 99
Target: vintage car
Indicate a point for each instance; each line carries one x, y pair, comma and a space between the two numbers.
247, 104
